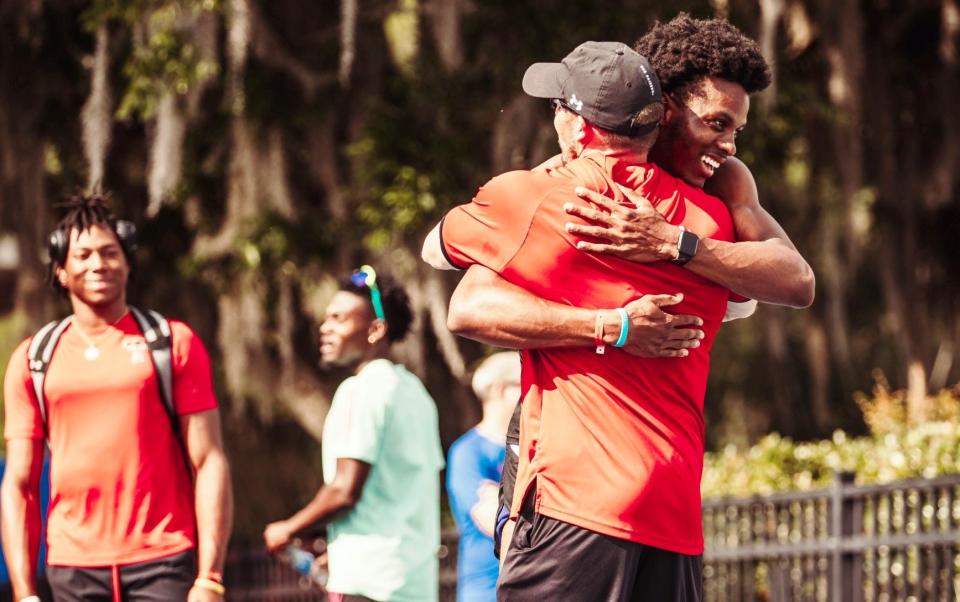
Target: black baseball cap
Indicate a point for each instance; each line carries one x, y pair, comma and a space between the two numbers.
607, 83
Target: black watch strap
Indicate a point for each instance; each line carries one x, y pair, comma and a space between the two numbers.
686, 246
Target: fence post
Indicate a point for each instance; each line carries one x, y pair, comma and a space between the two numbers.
842, 586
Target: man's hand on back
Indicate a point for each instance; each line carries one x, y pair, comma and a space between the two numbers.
637, 234
655, 333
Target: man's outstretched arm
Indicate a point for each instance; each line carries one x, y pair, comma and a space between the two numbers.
763, 264
331, 499
487, 308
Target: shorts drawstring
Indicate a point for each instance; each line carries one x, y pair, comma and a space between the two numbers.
115, 575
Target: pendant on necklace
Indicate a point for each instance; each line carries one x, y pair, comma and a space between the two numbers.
91, 353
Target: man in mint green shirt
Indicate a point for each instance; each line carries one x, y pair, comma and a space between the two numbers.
381, 456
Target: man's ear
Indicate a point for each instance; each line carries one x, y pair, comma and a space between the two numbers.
377, 331
61, 275
583, 132
670, 109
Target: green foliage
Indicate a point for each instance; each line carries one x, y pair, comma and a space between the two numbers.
51, 161
131, 11
888, 411
402, 34
165, 64
270, 247
403, 206
895, 449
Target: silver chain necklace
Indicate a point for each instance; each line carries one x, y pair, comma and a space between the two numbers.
92, 352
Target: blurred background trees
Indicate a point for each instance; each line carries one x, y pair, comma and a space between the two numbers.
267, 148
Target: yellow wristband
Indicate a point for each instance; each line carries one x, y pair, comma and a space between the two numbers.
210, 584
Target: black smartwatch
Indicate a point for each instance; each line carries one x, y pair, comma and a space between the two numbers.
686, 246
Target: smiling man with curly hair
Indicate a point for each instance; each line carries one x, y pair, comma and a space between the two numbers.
707, 69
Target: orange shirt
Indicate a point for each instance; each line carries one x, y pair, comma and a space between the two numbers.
613, 443
120, 491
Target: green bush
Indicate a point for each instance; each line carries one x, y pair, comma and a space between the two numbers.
897, 448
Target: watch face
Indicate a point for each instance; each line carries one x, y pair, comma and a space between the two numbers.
687, 246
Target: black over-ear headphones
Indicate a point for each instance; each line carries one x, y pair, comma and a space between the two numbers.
59, 241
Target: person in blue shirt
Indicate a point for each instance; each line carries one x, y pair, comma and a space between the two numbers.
473, 475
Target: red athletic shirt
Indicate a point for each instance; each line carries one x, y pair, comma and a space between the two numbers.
613, 442
120, 489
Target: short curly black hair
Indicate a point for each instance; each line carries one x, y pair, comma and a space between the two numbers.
396, 304
685, 49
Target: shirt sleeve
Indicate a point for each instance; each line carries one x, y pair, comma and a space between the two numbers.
491, 228
192, 379
464, 474
20, 408
739, 308
366, 417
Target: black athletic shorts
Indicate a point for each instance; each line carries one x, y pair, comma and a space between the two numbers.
167, 579
552, 560
508, 478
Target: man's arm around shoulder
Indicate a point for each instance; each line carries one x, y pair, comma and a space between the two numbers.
764, 264
487, 308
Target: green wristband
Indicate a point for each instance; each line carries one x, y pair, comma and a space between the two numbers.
624, 327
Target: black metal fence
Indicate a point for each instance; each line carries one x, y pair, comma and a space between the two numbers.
847, 543
253, 575
880, 543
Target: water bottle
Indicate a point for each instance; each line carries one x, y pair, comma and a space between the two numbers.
300, 559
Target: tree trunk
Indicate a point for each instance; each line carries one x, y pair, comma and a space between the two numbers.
23, 200
446, 15
97, 115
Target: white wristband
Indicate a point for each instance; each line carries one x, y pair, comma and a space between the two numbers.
30, 599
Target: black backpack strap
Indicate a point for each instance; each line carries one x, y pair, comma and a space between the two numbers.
39, 353
159, 338
156, 332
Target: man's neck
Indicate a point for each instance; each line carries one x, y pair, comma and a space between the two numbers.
378, 352
627, 155
494, 423
660, 154
492, 431
97, 317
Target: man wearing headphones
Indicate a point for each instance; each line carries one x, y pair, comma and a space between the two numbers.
136, 512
